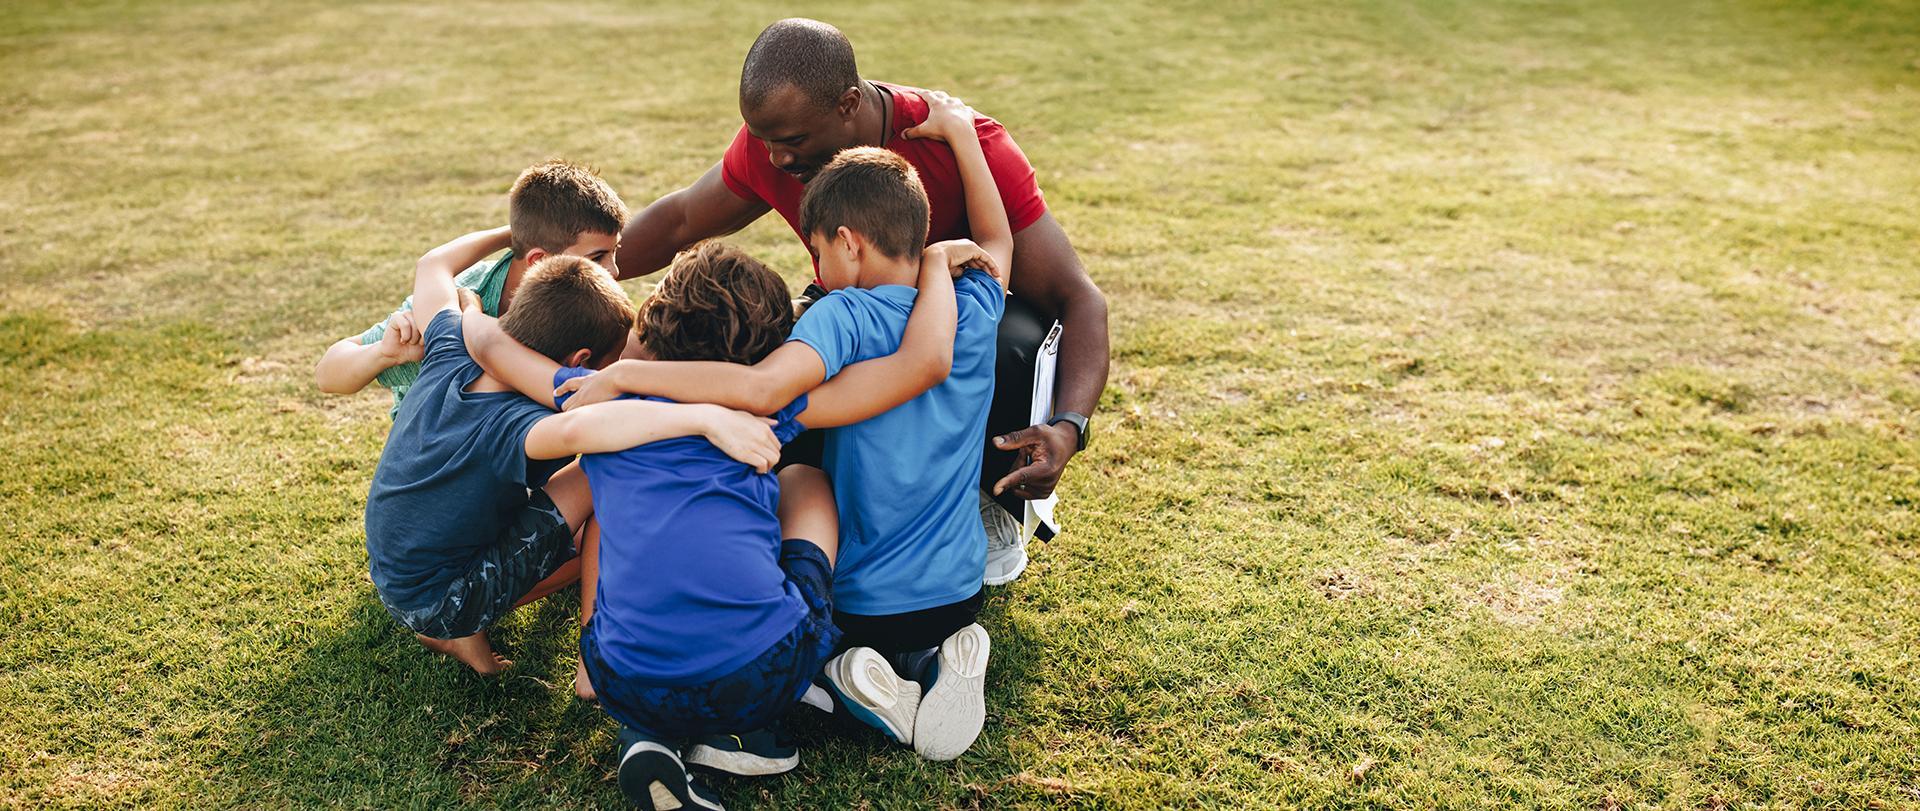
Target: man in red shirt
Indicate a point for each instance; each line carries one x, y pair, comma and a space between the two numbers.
803, 101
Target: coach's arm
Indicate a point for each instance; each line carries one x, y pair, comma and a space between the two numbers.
673, 223
1048, 274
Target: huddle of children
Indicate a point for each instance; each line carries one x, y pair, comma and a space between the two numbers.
716, 593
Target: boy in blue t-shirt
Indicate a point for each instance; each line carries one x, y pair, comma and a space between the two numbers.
454, 536
912, 549
700, 621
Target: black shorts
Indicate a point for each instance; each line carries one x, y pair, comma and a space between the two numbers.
750, 697
912, 631
529, 549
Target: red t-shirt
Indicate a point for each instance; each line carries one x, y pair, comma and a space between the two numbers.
750, 174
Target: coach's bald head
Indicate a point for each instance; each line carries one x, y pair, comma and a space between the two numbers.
801, 95
808, 55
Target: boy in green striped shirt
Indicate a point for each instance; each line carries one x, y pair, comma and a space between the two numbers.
554, 208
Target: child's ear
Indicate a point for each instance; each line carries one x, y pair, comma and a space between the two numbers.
580, 357
534, 255
845, 239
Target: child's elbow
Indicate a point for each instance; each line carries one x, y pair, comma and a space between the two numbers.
566, 436
939, 369
328, 385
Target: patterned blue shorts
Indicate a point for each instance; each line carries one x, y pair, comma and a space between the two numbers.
750, 697
529, 549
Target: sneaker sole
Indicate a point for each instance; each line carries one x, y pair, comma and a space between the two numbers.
652, 776
952, 713
743, 764
873, 693
1010, 573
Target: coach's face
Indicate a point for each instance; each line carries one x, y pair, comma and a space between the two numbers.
800, 134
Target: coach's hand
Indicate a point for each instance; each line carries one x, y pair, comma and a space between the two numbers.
1040, 455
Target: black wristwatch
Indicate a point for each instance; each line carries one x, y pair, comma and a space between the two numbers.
1079, 423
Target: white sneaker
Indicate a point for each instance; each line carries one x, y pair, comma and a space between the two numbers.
1006, 544
873, 693
955, 706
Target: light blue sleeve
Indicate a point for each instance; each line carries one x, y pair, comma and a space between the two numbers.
829, 327
980, 287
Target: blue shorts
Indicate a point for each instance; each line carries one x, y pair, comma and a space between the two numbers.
752, 696
529, 549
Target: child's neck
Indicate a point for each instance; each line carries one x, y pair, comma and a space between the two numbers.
888, 271
515, 269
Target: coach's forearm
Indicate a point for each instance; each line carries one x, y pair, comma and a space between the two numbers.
1082, 371
652, 237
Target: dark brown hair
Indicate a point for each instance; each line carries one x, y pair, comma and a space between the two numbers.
568, 303
553, 203
716, 303
873, 192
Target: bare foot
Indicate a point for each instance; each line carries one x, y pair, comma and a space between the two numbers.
473, 651
582, 686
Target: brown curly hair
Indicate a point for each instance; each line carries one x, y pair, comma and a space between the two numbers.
716, 303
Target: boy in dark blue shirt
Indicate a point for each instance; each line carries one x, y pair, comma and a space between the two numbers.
466, 516
912, 548
700, 619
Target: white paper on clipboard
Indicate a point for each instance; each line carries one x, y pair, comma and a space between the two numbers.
1038, 516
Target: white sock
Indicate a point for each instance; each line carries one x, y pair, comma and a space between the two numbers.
818, 699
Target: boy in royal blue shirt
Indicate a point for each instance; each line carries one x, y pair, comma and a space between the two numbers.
455, 535
700, 620
912, 549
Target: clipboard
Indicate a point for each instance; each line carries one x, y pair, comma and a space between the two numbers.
1036, 520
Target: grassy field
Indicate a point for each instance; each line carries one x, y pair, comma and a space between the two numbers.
1513, 403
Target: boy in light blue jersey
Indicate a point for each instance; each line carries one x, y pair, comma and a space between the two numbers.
912, 549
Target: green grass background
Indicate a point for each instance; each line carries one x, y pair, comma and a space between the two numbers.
1513, 403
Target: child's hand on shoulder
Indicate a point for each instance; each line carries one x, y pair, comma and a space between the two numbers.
948, 118
961, 254
588, 389
402, 342
745, 437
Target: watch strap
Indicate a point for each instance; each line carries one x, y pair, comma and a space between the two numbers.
1079, 423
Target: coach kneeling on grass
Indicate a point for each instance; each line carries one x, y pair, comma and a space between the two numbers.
803, 101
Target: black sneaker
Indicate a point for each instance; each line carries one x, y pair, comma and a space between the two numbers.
749, 754
652, 776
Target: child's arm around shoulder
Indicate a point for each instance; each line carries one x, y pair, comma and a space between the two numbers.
433, 288
506, 359
951, 120
622, 424
763, 388
924, 359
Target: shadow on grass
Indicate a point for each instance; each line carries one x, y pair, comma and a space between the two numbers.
365, 717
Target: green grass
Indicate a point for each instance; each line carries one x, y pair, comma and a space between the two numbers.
1513, 404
